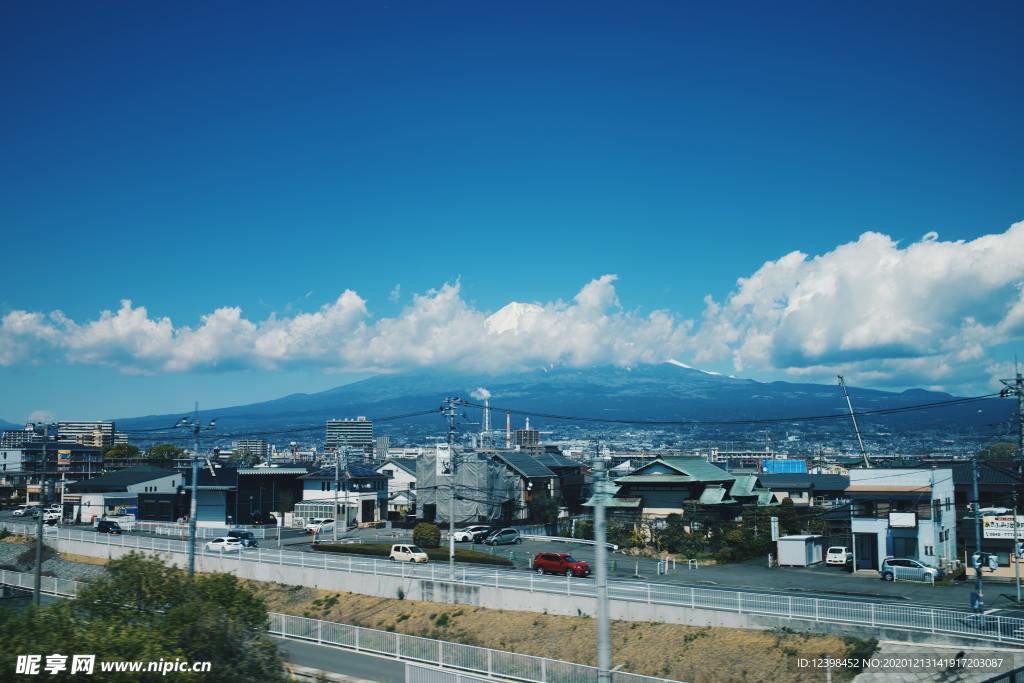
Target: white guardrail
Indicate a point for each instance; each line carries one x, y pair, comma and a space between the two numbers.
438, 653
909, 617
566, 539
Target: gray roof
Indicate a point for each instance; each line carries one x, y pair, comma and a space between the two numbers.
354, 471
527, 466
122, 478
694, 467
407, 464
819, 482
555, 460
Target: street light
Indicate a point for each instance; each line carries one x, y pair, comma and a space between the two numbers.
197, 429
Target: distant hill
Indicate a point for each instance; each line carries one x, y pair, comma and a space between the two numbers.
668, 391
4, 424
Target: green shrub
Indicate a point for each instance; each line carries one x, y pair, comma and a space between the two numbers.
426, 535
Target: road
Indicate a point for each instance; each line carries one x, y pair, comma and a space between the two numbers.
819, 581
338, 660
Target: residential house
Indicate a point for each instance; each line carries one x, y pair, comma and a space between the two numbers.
819, 490
902, 513
362, 494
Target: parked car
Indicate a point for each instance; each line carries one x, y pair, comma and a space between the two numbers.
504, 537
51, 518
481, 535
407, 553
264, 519
469, 533
894, 568
246, 538
838, 556
21, 510
320, 524
224, 544
107, 527
560, 563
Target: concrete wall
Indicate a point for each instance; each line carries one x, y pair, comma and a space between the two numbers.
387, 586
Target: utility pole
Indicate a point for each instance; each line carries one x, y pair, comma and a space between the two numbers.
340, 450
853, 416
977, 536
449, 411
37, 586
1015, 387
197, 429
1016, 547
604, 646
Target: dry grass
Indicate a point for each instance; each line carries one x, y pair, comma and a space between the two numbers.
16, 540
686, 653
83, 559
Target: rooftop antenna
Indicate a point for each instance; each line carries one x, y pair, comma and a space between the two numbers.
853, 416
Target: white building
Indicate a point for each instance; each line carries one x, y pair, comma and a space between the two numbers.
356, 434
908, 513
362, 494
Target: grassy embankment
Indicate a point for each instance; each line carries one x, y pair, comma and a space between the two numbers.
686, 653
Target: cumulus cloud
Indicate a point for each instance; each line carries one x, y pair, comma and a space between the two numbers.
437, 329
926, 313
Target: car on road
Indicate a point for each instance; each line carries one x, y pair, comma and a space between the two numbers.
838, 556
504, 537
105, 526
467, 534
905, 568
224, 544
51, 518
481, 535
320, 525
560, 563
407, 553
23, 510
246, 538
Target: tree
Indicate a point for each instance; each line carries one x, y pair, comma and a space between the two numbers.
143, 610
543, 509
998, 451
165, 451
121, 450
426, 535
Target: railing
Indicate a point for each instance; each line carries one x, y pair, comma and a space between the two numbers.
438, 653
182, 531
567, 539
444, 654
906, 617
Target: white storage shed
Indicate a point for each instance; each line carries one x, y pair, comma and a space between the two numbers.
801, 551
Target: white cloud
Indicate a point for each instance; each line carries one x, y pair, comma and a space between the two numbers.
437, 329
396, 293
924, 313
928, 313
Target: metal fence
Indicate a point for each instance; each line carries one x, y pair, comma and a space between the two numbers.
906, 617
416, 673
181, 531
436, 653
443, 654
50, 585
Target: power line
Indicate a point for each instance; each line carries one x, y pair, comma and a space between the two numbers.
770, 420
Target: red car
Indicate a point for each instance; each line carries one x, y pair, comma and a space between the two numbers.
560, 563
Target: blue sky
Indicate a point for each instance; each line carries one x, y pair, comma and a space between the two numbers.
255, 156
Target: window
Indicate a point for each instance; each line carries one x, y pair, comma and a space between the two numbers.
390, 474
412, 486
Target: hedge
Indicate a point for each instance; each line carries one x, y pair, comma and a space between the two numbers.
441, 554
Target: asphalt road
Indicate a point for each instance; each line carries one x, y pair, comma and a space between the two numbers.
337, 660
818, 581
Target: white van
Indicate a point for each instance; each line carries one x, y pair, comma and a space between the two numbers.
407, 553
838, 556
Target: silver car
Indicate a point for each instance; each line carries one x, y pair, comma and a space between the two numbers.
906, 569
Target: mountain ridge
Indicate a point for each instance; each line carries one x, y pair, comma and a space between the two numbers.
665, 391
